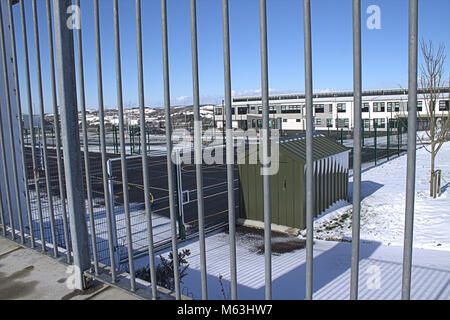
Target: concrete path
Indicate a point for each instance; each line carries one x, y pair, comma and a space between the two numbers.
26, 274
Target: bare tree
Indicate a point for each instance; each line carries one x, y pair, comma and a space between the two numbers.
431, 78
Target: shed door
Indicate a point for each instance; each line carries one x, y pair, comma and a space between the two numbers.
285, 210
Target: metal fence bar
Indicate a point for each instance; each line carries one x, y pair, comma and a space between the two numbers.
2, 217
198, 150
31, 123
122, 144
65, 52
170, 169
101, 113
357, 148
229, 149
87, 165
11, 133
411, 159
309, 149
42, 120
3, 149
20, 122
145, 171
265, 149
62, 191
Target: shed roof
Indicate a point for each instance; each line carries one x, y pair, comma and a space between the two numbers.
323, 147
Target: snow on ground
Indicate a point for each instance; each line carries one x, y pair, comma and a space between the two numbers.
383, 205
380, 271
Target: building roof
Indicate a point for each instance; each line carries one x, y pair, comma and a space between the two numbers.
323, 147
340, 94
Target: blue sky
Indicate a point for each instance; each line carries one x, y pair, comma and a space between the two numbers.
385, 58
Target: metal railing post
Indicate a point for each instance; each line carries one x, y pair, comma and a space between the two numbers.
36, 174
266, 149
21, 124
126, 203
229, 148
71, 140
170, 167
198, 150
11, 139
309, 149
87, 166
357, 91
411, 166
145, 170
3, 155
109, 209
62, 191
42, 122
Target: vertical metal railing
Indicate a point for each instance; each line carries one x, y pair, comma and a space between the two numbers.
109, 211
2, 144
122, 144
169, 146
20, 125
42, 123
309, 149
198, 149
229, 149
59, 157
411, 158
65, 58
265, 149
145, 170
36, 173
87, 166
357, 147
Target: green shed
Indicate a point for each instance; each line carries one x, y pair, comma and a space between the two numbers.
288, 186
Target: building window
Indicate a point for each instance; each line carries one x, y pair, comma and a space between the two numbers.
218, 111
342, 123
242, 110
297, 120
342, 107
366, 123
419, 106
319, 108
379, 107
272, 109
329, 123
291, 109
393, 106
319, 122
444, 105
380, 123
284, 120
365, 107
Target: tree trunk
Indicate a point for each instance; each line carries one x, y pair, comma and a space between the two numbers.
433, 156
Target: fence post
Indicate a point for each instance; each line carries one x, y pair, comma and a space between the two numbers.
375, 139
71, 141
388, 137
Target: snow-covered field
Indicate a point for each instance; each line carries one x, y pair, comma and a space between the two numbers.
380, 271
383, 206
